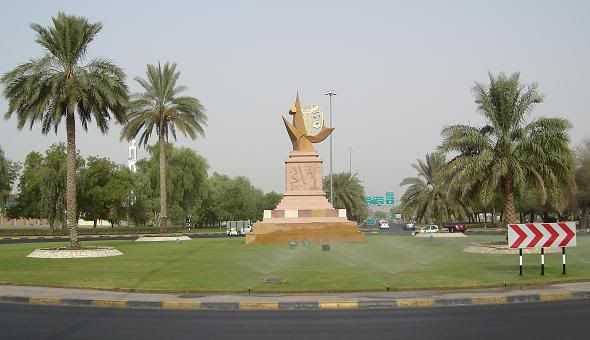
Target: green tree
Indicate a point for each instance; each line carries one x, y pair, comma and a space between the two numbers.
270, 200
105, 190
380, 215
160, 108
52, 184
507, 154
144, 200
349, 194
59, 85
9, 171
226, 198
426, 196
582, 176
29, 188
186, 174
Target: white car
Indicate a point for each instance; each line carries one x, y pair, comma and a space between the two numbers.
246, 230
383, 224
432, 228
233, 231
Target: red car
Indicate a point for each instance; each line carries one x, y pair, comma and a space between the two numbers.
454, 227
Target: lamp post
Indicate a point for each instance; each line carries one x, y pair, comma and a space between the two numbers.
350, 148
331, 93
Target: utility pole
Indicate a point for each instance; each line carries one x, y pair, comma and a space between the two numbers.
331, 93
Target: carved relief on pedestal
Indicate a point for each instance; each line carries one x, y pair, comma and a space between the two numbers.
304, 176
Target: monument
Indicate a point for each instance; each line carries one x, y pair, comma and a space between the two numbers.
304, 213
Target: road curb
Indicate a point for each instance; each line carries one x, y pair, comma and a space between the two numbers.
303, 305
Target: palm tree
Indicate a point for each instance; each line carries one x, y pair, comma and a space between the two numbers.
426, 196
507, 154
59, 85
160, 108
349, 194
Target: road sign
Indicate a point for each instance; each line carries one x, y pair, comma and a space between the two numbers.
379, 200
389, 199
371, 222
542, 235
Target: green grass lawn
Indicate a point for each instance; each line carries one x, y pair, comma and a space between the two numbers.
218, 265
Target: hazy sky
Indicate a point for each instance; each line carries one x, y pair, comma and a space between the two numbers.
402, 70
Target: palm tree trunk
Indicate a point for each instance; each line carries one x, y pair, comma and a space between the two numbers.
163, 207
71, 206
509, 195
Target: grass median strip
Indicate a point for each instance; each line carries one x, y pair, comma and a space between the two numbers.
171, 266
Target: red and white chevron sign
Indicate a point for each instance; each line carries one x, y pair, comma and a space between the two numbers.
542, 235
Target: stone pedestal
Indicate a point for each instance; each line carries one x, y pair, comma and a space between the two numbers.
304, 213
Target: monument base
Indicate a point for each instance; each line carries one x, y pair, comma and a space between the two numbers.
324, 232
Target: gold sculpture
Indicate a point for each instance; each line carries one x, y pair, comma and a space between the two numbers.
298, 131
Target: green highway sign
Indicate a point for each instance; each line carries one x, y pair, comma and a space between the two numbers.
371, 222
380, 200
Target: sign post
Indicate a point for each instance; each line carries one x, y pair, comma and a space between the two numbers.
563, 256
520, 253
542, 235
542, 261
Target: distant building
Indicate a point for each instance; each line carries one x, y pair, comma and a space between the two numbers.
132, 160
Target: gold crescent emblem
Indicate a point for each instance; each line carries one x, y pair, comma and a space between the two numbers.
307, 127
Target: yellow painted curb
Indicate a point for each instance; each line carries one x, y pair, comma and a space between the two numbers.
555, 296
415, 302
338, 304
488, 300
180, 305
110, 303
44, 300
259, 305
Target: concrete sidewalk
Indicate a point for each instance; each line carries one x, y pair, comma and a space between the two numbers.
366, 300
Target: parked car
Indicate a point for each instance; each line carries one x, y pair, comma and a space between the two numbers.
246, 230
409, 226
454, 227
383, 224
432, 228
232, 231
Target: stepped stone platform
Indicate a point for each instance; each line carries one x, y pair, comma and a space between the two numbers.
304, 213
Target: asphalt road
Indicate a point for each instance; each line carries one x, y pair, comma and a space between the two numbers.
558, 320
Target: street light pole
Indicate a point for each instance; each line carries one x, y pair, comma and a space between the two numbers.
331, 93
350, 148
